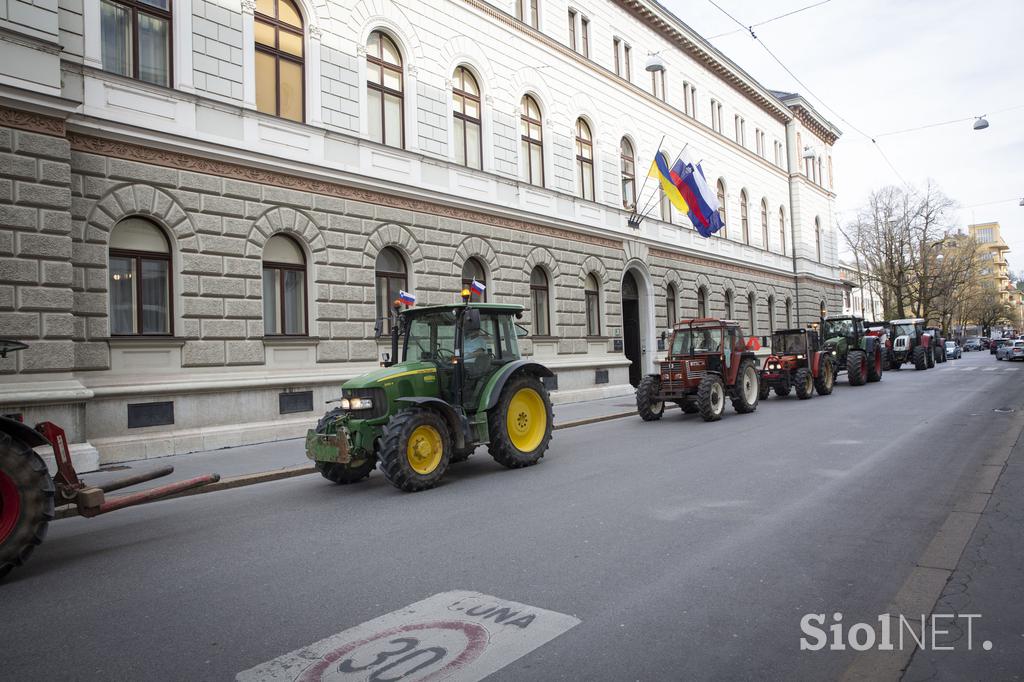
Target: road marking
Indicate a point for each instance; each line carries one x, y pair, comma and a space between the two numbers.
459, 635
968, 369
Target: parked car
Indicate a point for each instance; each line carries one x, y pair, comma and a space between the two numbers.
1013, 350
997, 344
972, 343
953, 351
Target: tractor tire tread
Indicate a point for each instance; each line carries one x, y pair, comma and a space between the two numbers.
500, 446
855, 361
704, 398
803, 383
649, 408
394, 463
28, 472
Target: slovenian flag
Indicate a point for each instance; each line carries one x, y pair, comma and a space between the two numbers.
669, 180
703, 202
477, 288
406, 298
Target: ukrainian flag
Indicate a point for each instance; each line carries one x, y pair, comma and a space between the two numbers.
669, 181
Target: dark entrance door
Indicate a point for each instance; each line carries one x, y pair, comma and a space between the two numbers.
631, 327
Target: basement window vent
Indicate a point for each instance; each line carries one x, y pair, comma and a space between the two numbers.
601, 376
141, 415
550, 383
289, 403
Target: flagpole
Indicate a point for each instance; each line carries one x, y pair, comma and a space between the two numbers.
636, 218
647, 206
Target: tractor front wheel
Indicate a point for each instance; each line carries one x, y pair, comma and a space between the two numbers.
744, 394
804, 384
826, 379
711, 398
857, 367
763, 389
415, 449
520, 424
26, 502
875, 366
647, 403
930, 357
782, 387
343, 474
920, 359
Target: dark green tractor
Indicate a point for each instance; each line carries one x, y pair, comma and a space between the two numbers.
461, 383
853, 349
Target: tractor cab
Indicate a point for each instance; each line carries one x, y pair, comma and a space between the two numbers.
840, 331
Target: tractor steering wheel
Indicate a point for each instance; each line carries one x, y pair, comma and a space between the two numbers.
444, 354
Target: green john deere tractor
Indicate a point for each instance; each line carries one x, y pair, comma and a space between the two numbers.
461, 383
853, 349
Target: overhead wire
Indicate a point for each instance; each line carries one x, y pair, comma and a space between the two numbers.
770, 20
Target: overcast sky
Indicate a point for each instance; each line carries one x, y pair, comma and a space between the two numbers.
888, 65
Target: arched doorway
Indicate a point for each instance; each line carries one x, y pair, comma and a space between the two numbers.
631, 327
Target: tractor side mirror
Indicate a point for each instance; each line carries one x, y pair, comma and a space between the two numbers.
471, 323
378, 328
521, 331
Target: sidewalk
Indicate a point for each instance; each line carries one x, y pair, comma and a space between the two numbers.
283, 457
988, 581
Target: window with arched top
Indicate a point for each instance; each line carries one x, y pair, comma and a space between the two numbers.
782, 231
764, 224
627, 166
385, 90
752, 310
135, 37
744, 216
671, 305
592, 296
466, 113
789, 313
391, 276
472, 269
531, 142
817, 236
139, 279
721, 204
702, 302
280, 59
284, 287
539, 302
771, 314
584, 160
728, 304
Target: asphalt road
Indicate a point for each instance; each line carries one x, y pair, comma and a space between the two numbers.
686, 550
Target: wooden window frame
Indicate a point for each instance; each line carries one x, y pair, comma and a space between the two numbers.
279, 54
585, 35
627, 175
137, 258
542, 290
532, 143
466, 282
534, 8
671, 306
584, 165
595, 297
293, 267
782, 231
384, 91
166, 14
722, 212
616, 47
627, 62
764, 225
388, 276
745, 216
465, 118
572, 29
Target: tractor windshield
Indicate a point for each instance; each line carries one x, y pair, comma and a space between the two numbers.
833, 328
686, 341
903, 329
431, 337
789, 344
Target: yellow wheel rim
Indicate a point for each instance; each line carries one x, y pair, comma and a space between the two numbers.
424, 449
527, 420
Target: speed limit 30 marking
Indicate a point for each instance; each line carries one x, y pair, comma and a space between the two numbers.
457, 635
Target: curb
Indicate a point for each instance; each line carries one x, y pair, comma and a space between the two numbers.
244, 480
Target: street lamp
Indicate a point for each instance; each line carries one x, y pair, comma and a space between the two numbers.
655, 62
981, 123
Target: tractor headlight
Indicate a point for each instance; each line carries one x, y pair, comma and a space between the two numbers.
360, 404
344, 402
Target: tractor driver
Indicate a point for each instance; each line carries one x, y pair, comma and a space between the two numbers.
477, 342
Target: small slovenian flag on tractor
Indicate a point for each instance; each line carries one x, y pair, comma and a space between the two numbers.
406, 298
477, 288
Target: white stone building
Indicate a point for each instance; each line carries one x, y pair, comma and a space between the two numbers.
202, 202
861, 296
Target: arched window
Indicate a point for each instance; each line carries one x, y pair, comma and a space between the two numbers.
789, 313
744, 217
584, 160
391, 278
284, 287
474, 269
782, 231
752, 310
721, 204
702, 302
279, 59
140, 279
627, 163
817, 236
592, 294
671, 306
539, 302
728, 304
531, 142
385, 90
771, 314
127, 23
466, 112
664, 206
764, 224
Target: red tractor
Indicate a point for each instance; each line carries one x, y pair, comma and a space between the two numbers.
707, 361
797, 362
883, 332
911, 343
29, 495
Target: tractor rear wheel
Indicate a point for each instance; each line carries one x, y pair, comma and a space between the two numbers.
711, 398
856, 367
804, 384
929, 357
647, 403
826, 379
746, 390
415, 449
920, 359
875, 366
520, 424
26, 502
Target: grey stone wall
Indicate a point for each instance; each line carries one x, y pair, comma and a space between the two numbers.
217, 50
432, 119
340, 82
506, 143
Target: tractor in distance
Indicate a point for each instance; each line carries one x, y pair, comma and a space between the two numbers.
883, 332
911, 344
797, 362
937, 344
707, 361
30, 495
853, 350
461, 383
